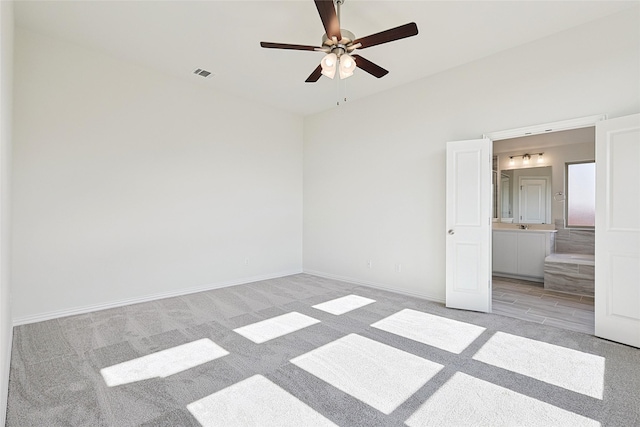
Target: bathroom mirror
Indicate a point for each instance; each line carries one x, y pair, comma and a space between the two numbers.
524, 195
506, 205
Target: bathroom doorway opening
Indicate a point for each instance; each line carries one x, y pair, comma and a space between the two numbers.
518, 256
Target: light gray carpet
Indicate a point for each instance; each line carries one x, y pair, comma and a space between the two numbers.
56, 381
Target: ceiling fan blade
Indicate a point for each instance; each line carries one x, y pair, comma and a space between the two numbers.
315, 76
270, 45
397, 33
368, 66
329, 18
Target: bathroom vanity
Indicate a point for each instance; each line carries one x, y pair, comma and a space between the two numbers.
520, 253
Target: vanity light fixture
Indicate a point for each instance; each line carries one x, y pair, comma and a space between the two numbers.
526, 158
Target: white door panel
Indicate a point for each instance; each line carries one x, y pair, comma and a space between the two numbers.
617, 269
469, 225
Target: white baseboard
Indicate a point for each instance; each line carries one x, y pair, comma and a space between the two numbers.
17, 321
374, 285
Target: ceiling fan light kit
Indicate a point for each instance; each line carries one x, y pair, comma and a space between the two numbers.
338, 45
347, 65
328, 65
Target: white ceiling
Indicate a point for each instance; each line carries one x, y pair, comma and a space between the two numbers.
223, 36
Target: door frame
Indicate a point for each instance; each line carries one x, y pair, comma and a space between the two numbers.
580, 122
576, 123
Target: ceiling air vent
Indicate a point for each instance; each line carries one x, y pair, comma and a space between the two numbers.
203, 73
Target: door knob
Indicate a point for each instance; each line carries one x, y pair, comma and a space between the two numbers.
451, 232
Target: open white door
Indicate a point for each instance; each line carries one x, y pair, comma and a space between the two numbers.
469, 225
617, 270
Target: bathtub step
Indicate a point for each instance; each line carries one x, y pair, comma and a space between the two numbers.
563, 274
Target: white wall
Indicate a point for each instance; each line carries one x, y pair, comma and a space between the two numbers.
378, 190
6, 87
129, 183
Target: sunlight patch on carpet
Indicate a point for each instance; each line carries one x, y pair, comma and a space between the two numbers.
255, 401
375, 373
343, 305
275, 327
446, 334
564, 367
467, 401
163, 363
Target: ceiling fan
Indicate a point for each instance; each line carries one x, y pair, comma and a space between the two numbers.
338, 45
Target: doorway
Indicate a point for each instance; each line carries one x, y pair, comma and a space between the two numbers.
617, 225
532, 170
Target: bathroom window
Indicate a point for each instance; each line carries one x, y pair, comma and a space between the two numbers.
580, 179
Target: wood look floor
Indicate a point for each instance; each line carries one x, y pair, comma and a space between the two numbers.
530, 301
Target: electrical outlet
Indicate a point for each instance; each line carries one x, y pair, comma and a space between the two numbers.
369, 264
246, 261
398, 268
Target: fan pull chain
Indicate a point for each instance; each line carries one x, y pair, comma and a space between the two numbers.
345, 90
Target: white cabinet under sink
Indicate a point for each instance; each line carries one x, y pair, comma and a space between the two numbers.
505, 252
521, 253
